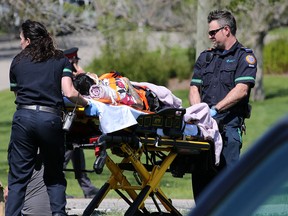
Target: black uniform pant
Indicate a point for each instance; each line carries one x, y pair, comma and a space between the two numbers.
32, 129
230, 129
78, 160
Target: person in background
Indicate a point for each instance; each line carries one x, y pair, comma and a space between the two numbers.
36, 198
223, 77
72, 55
89, 190
39, 76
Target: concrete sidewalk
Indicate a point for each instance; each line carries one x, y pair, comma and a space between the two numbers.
77, 206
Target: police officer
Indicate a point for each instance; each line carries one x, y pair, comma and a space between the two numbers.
38, 76
77, 155
72, 55
223, 77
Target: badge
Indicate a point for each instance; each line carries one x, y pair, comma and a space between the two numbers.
250, 59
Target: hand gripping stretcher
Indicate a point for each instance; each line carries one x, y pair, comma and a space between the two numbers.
149, 149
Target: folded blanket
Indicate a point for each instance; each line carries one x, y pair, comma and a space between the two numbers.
200, 115
164, 94
102, 92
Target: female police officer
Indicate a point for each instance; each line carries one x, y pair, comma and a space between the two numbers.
38, 76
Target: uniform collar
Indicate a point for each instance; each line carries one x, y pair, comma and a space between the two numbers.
232, 49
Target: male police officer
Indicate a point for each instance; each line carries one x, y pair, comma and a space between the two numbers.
77, 156
223, 77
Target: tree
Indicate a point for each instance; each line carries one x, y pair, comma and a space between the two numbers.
58, 17
252, 24
256, 19
203, 9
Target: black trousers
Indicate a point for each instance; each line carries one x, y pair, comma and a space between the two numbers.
231, 134
33, 129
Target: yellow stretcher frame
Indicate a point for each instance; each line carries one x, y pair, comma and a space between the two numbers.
150, 177
150, 174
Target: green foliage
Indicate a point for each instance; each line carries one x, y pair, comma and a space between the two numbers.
279, 32
73, 8
275, 57
129, 55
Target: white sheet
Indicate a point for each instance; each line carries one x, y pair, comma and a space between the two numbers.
113, 118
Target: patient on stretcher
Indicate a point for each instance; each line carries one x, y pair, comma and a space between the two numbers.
124, 103
112, 88
115, 90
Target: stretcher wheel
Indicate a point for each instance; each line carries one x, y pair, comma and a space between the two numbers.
98, 171
100, 162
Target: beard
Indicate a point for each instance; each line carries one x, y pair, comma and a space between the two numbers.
218, 45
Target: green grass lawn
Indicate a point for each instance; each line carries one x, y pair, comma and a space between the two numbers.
264, 115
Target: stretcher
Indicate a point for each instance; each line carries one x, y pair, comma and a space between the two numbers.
147, 155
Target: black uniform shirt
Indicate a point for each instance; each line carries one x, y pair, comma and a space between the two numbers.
39, 83
217, 72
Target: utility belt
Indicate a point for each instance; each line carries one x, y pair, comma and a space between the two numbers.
243, 110
68, 117
40, 108
230, 116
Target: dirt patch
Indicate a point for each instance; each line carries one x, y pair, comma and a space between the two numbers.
176, 84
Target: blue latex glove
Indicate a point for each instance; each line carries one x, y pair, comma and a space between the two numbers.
213, 112
67, 102
91, 109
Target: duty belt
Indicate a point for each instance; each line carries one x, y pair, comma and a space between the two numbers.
40, 108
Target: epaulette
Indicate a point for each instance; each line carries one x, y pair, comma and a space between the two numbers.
207, 50
248, 50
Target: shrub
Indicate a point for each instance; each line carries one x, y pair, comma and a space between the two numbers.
275, 57
132, 59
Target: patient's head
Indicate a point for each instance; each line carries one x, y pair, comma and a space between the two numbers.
82, 83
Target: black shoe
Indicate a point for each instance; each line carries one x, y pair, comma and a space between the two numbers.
92, 193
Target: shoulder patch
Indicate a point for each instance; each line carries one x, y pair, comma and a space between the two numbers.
208, 50
248, 50
250, 59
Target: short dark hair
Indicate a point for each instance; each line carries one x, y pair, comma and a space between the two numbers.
82, 83
224, 18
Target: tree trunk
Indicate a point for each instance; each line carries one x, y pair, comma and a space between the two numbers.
258, 90
202, 41
203, 9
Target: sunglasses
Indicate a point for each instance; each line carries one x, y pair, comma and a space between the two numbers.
214, 32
